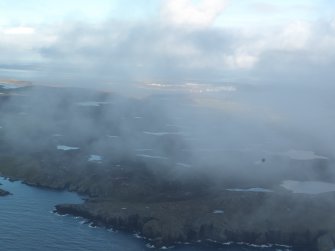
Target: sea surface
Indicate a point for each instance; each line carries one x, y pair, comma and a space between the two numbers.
27, 222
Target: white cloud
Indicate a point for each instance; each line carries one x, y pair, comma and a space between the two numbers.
189, 49
240, 61
21, 30
295, 36
188, 12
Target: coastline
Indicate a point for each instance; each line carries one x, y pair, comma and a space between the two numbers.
167, 223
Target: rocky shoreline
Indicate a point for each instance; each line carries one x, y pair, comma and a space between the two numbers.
221, 219
303, 222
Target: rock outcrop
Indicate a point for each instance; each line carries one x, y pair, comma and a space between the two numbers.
4, 192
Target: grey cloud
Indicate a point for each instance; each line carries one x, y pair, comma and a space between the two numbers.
146, 51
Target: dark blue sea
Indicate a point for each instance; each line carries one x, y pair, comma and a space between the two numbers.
28, 223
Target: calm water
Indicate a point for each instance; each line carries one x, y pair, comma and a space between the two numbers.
27, 223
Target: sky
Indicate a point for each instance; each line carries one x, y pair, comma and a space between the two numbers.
169, 40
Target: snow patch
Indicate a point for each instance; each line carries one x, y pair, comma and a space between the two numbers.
92, 103
183, 164
113, 136
151, 156
308, 187
161, 133
256, 189
303, 155
8, 86
95, 158
143, 149
67, 148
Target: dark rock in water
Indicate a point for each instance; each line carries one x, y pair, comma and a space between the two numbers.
4, 192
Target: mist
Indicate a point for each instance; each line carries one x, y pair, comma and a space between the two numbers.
242, 136
182, 96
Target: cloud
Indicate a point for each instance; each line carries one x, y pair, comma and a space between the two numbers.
178, 46
267, 8
188, 12
153, 51
21, 30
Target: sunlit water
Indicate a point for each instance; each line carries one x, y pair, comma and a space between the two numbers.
27, 223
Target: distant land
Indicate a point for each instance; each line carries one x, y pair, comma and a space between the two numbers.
107, 146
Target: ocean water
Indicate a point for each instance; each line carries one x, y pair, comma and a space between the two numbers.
28, 223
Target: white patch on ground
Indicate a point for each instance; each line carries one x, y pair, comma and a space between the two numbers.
183, 164
92, 103
57, 135
67, 148
308, 187
143, 149
151, 156
112, 136
302, 155
95, 158
137, 117
161, 133
8, 86
191, 87
165, 247
149, 246
218, 212
138, 236
256, 189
